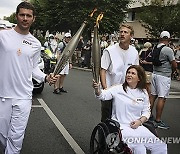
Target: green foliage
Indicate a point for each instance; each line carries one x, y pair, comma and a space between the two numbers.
11, 18
156, 16
64, 15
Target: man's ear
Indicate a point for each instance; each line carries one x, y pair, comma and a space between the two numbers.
34, 19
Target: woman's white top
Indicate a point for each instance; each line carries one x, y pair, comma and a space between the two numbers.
127, 106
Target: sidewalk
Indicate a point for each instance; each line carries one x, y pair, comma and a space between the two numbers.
174, 83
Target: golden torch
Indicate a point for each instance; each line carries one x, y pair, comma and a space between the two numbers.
70, 48
96, 51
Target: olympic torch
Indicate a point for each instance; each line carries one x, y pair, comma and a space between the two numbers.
70, 48
96, 51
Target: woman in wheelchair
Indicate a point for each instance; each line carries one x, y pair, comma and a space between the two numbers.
131, 108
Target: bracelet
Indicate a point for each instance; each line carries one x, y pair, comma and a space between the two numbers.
140, 121
45, 79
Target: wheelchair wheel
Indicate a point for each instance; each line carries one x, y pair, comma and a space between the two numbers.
98, 139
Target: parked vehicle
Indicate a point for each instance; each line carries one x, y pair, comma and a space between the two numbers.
38, 87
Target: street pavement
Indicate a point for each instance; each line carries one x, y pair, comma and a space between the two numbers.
62, 124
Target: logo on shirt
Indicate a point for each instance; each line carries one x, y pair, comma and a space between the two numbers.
27, 42
19, 52
139, 100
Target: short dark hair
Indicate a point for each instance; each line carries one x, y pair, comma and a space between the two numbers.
25, 5
141, 75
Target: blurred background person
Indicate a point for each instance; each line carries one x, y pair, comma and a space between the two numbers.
103, 43
58, 86
145, 60
177, 57
87, 54
161, 78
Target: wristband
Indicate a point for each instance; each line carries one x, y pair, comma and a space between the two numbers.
45, 79
140, 121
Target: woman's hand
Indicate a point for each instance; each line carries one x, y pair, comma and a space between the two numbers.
135, 124
96, 87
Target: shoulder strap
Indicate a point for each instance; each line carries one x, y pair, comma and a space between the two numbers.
64, 45
109, 57
162, 46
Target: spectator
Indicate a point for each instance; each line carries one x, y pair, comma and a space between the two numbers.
161, 78
177, 57
58, 86
79, 52
145, 57
103, 43
87, 54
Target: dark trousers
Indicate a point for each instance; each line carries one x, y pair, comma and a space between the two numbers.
106, 110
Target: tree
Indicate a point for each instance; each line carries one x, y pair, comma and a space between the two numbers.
11, 18
62, 15
159, 15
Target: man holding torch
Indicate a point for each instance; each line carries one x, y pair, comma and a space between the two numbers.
19, 55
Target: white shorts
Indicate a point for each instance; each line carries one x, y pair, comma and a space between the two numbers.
160, 85
65, 70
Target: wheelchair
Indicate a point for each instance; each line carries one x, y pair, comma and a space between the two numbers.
106, 138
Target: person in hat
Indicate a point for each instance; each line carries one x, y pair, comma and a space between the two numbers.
58, 86
145, 60
161, 78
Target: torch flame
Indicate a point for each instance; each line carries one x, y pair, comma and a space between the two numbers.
99, 18
92, 12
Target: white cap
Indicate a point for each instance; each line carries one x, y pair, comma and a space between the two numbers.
67, 35
51, 35
165, 34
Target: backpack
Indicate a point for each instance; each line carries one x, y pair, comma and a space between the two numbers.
155, 56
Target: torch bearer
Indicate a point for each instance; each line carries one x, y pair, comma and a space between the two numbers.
70, 48
96, 51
